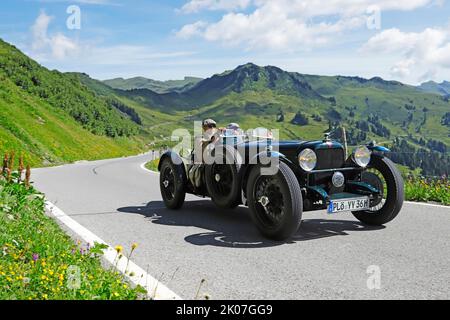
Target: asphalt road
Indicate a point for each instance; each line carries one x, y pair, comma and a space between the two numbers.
331, 257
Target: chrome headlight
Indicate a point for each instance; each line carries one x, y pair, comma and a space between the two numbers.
361, 156
307, 160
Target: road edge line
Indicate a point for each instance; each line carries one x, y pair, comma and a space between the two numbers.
155, 289
148, 170
428, 204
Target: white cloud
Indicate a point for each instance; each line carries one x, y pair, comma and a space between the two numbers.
402, 68
56, 46
39, 31
426, 51
286, 24
62, 46
227, 5
190, 30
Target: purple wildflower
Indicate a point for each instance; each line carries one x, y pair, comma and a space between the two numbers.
35, 257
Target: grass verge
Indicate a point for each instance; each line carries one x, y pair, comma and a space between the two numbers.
152, 165
428, 189
39, 261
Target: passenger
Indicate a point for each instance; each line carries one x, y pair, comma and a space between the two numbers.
234, 130
233, 126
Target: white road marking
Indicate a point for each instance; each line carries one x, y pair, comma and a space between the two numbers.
148, 170
428, 204
155, 289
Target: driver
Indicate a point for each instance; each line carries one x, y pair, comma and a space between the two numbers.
211, 134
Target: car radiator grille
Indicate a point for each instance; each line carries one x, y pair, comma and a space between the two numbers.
330, 158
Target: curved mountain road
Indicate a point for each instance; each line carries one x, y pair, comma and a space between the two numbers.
329, 258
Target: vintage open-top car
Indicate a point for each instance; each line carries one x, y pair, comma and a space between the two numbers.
279, 180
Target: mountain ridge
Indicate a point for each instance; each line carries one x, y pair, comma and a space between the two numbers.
153, 85
442, 88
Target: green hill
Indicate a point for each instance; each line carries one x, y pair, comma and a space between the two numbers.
53, 118
244, 78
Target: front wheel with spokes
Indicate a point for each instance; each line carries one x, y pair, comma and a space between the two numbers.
383, 175
275, 202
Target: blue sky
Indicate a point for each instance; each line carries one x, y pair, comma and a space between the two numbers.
165, 40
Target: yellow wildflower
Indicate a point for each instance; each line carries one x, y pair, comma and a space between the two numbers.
119, 249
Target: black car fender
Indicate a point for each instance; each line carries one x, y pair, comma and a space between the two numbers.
265, 158
176, 159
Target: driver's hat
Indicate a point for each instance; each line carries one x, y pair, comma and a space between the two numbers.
210, 123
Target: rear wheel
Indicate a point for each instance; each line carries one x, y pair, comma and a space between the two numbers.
172, 182
383, 175
275, 202
223, 178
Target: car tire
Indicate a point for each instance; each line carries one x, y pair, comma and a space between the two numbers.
172, 183
286, 223
223, 181
395, 193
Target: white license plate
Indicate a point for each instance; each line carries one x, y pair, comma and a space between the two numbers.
355, 204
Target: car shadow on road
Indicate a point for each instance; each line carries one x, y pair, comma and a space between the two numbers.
234, 228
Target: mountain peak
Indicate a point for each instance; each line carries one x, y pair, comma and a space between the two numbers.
248, 65
251, 77
255, 67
